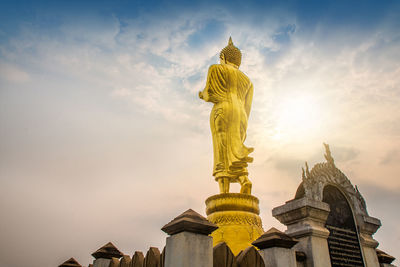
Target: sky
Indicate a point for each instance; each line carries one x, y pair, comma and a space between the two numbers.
103, 136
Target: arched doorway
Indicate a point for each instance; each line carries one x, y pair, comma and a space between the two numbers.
343, 242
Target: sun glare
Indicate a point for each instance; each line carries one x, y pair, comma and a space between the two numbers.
297, 117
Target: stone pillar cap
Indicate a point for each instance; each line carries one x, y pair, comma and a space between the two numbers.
274, 238
189, 221
107, 251
70, 263
299, 203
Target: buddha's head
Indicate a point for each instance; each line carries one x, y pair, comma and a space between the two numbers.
231, 54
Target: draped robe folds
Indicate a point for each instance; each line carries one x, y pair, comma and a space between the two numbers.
231, 92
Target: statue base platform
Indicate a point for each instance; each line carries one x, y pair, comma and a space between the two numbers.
237, 217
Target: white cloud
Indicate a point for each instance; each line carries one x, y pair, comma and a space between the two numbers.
13, 74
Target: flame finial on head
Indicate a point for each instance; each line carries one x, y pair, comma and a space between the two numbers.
328, 155
231, 53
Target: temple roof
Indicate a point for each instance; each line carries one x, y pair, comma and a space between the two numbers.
383, 257
70, 263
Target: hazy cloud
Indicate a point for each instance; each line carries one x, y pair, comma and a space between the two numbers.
12, 74
392, 156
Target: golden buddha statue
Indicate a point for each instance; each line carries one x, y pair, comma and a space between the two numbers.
231, 91
236, 214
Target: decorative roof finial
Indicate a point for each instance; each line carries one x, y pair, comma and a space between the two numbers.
328, 155
307, 170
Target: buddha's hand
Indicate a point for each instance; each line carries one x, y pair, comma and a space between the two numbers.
201, 95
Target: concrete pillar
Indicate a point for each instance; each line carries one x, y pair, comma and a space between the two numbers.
189, 243
103, 256
305, 220
275, 248
101, 262
368, 227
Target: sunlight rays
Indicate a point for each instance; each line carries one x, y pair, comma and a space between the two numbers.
297, 117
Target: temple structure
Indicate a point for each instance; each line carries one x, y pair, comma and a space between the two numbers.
329, 218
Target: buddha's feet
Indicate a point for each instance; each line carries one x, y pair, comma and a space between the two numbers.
245, 185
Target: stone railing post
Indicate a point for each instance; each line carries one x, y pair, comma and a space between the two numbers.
189, 243
275, 248
103, 256
305, 220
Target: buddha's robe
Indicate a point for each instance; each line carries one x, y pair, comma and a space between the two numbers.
231, 91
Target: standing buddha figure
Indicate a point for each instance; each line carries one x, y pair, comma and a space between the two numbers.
231, 91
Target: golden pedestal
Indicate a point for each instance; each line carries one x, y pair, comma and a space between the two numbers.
237, 218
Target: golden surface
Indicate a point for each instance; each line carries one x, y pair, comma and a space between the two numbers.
231, 91
232, 201
237, 218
